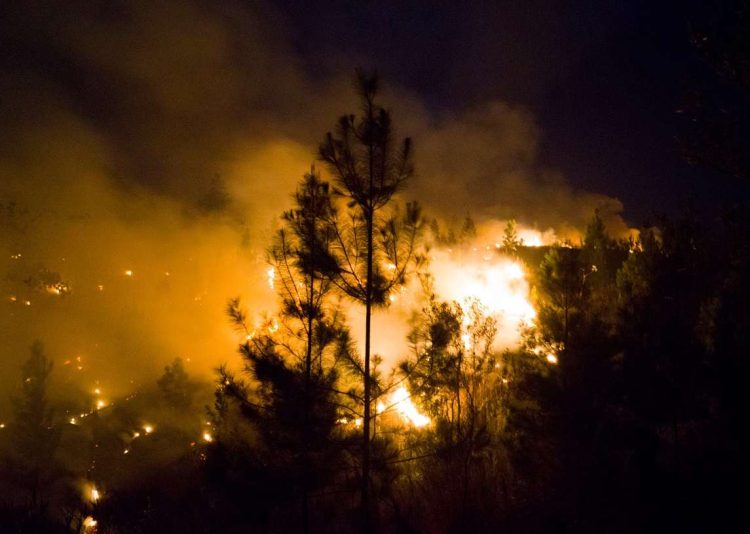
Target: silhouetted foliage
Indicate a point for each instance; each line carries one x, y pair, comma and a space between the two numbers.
34, 435
373, 252
175, 385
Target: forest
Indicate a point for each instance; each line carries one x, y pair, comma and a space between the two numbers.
620, 406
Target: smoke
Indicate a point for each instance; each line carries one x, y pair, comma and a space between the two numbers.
165, 138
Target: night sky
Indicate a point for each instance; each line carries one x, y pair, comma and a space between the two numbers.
605, 80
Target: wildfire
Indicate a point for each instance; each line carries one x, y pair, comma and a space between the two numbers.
530, 238
496, 282
58, 289
403, 404
89, 524
271, 275
91, 493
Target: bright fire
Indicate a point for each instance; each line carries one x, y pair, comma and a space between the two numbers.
89, 524
496, 282
403, 404
92, 493
530, 238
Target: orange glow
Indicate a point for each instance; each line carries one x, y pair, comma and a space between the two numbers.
496, 282
403, 404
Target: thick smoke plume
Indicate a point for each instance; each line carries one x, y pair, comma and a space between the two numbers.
147, 151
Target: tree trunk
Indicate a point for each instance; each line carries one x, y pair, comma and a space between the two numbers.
370, 215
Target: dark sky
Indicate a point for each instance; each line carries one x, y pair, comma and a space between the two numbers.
603, 78
171, 89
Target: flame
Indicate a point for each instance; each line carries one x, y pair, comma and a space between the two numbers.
403, 404
530, 238
91, 493
59, 288
271, 275
207, 437
273, 326
89, 524
496, 282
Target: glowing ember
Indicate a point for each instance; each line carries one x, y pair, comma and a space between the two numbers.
551, 358
207, 437
148, 429
129, 273
100, 404
59, 288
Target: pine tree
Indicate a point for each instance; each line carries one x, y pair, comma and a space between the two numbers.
373, 250
293, 359
511, 241
175, 385
35, 437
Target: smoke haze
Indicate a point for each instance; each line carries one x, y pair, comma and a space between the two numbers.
147, 151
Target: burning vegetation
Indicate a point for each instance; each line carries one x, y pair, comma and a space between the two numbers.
528, 370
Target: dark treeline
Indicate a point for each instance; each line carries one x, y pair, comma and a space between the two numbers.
624, 408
